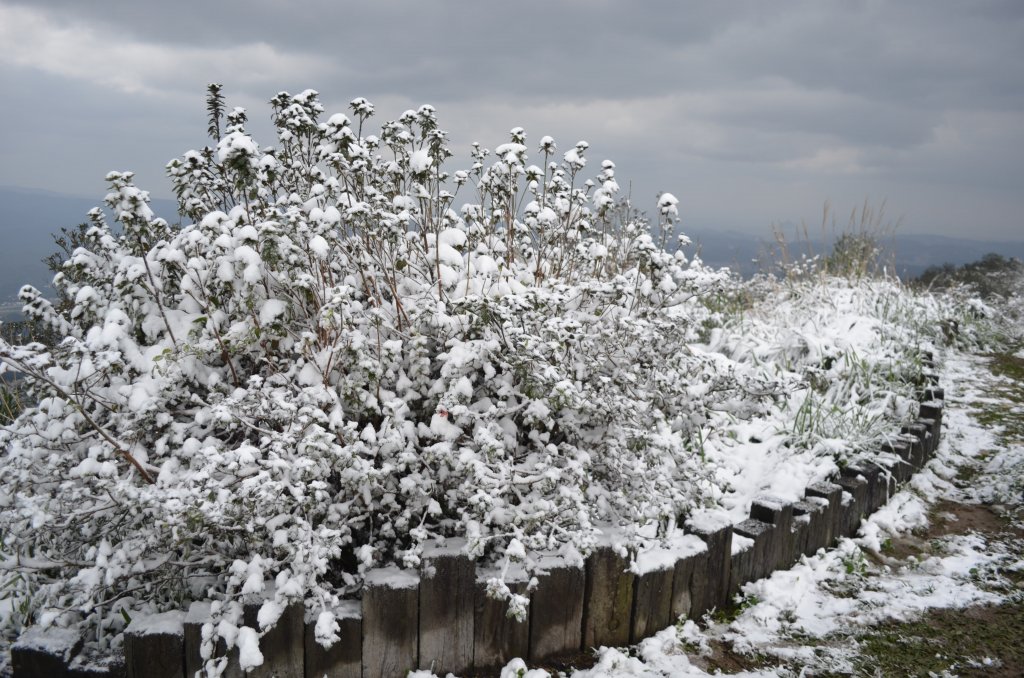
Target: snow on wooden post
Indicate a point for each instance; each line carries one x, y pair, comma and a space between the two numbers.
283, 645
343, 659
44, 652
556, 610
763, 550
154, 646
447, 586
607, 599
832, 494
780, 514
652, 595
692, 554
390, 622
813, 511
497, 637
715, 529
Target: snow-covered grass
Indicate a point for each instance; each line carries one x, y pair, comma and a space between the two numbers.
353, 352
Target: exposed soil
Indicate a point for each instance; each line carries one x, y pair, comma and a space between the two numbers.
975, 641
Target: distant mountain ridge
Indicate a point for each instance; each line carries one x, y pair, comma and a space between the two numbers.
911, 253
30, 217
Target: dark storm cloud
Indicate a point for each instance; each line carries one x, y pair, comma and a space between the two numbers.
740, 108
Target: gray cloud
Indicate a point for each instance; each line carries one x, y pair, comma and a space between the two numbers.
750, 112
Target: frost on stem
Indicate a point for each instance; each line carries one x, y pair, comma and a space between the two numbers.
350, 351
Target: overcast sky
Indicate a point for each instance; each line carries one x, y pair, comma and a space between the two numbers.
751, 113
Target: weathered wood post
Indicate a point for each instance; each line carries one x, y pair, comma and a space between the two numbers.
447, 589
652, 597
780, 514
742, 562
857, 489
497, 637
813, 512
919, 452
199, 614
762, 553
869, 473
154, 646
833, 496
902, 469
390, 622
344, 658
711, 587
933, 410
692, 554
282, 645
556, 609
44, 652
607, 599
931, 435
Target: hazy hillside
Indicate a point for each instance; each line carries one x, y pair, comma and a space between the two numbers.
912, 253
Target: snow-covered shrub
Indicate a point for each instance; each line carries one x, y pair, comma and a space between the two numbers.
850, 348
340, 359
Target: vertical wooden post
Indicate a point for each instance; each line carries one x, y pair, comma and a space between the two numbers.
813, 510
608, 599
762, 552
556, 609
44, 652
780, 514
154, 646
832, 494
742, 562
447, 588
652, 597
693, 554
857, 488
390, 622
716, 532
343, 659
497, 637
283, 645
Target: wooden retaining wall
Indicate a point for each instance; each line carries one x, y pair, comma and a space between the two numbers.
441, 619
